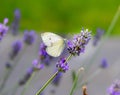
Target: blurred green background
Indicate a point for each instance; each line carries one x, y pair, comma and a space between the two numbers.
65, 16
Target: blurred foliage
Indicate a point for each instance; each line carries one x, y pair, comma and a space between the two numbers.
64, 16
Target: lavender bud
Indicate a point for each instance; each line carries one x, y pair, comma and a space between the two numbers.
3, 28
115, 88
44, 57
29, 37
16, 21
17, 14
26, 77
37, 65
77, 45
104, 63
98, 36
62, 65
16, 47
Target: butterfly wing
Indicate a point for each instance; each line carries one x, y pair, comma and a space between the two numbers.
56, 49
55, 44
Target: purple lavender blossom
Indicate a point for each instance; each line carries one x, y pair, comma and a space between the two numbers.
3, 28
44, 57
42, 51
29, 37
98, 36
62, 65
115, 88
104, 64
56, 80
37, 65
26, 77
16, 47
16, 21
77, 45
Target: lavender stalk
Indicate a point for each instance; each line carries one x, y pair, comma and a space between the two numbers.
110, 28
47, 83
75, 48
51, 78
75, 81
27, 84
30, 74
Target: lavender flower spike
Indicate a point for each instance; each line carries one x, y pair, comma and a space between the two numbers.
29, 37
115, 88
36, 66
44, 57
98, 36
62, 66
104, 64
16, 47
16, 21
26, 77
77, 45
3, 28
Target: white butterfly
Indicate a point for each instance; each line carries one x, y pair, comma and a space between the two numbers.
55, 44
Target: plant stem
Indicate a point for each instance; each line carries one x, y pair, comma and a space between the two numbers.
112, 25
110, 28
5, 78
68, 58
47, 83
51, 78
27, 84
75, 81
90, 78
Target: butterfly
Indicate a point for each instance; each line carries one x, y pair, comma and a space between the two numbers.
55, 43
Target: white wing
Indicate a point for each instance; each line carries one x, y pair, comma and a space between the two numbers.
55, 44
56, 49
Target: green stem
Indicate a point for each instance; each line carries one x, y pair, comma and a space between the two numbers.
46, 84
110, 28
27, 84
68, 58
51, 78
89, 78
112, 25
5, 78
75, 82
113, 22
98, 71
